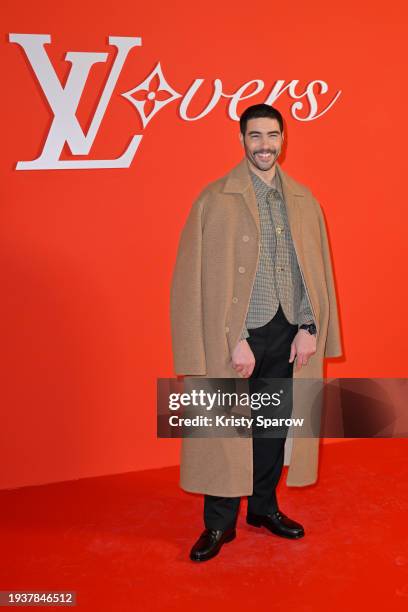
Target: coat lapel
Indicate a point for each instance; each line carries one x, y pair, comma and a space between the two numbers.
291, 193
239, 181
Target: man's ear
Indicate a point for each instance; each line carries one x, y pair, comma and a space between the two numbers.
241, 138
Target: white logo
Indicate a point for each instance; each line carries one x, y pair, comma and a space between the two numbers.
147, 100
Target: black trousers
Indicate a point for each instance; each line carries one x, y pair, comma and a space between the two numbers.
271, 347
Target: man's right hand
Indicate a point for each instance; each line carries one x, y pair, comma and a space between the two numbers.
243, 360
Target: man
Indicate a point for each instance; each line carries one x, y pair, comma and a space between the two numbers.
252, 293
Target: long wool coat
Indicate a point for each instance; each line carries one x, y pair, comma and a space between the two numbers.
211, 287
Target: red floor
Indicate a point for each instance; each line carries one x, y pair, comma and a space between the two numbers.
122, 542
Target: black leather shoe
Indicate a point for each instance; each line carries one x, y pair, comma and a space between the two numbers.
210, 543
277, 523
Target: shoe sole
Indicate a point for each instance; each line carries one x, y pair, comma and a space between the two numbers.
281, 535
229, 539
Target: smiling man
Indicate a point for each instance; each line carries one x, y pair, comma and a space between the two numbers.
252, 296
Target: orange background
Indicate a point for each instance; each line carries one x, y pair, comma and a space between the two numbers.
87, 255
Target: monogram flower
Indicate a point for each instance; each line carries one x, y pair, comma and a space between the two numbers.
151, 95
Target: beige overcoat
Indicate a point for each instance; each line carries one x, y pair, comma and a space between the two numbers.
211, 287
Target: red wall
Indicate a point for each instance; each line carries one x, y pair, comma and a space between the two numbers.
87, 255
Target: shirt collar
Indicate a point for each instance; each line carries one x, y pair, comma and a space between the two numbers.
263, 187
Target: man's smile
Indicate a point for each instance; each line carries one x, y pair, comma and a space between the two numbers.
264, 155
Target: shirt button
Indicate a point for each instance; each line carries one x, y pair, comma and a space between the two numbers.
235, 300
245, 238
227, 329
241, 269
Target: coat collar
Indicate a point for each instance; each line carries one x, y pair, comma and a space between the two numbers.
238, 180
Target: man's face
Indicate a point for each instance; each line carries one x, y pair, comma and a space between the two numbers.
262, 142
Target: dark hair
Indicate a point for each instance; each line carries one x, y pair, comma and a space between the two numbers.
259, 110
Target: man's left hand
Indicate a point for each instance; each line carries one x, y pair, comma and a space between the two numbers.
302, 347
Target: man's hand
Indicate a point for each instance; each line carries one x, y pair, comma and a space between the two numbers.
302, 347
243, 360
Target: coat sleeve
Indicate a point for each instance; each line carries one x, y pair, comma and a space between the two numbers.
333, 342
186, 297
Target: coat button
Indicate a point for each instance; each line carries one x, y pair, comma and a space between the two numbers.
241, 269
245, 238
227, 329
235, 300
